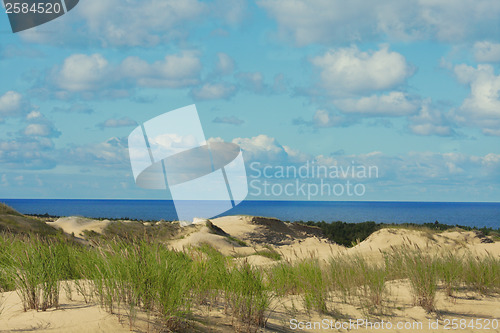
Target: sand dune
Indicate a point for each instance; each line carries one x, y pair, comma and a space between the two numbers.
299, 241
456, 241
76, 225
243, 237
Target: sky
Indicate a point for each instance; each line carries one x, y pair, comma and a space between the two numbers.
411, 88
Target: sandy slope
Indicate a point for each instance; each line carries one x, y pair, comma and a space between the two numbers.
457, 241
293, 242
74, 315
76, 225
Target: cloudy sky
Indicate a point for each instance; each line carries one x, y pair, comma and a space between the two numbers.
412, 87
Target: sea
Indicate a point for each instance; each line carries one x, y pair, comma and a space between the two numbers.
473, 214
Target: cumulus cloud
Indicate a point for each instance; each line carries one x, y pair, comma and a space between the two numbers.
321, 119
351, 71
482, 107
40, 126
232, 120
393, 104
487, 51
329, 21
175, 71
436, 170
210, 91
81, 72
255, 82
93, 74
136, 23
262, 148
28, 153
12, 104
111, 153
430, 121
117, 122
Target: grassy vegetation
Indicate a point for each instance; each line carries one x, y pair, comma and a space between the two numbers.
129, 270
134, 275
269, 252
14, 222
144, 275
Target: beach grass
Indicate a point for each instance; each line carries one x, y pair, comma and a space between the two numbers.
126, 275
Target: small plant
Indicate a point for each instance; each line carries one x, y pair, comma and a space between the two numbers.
372, 279
422, 271
270, 253
313, 285
450, 270
236, 240
482, 274
247, 296
41, 266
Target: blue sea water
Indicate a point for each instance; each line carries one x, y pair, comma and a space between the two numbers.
479, 214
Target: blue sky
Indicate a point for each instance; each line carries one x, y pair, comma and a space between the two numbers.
412, 88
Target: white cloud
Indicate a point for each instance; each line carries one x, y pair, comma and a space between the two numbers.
28, 153
175, 71
40, 126
349, 70
487, 51
81, 73
328, 21
393, 104
430, 121
449, 171
111, 153
323, 118
135, 23
37, 130
482, 107
262, 148
210, 91
139, 22
12, 104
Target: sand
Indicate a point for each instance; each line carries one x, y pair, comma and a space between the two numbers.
76, 225
74, 315
293, 243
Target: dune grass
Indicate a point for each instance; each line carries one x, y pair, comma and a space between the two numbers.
131, 275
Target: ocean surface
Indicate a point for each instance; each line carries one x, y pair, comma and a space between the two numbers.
463, 213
